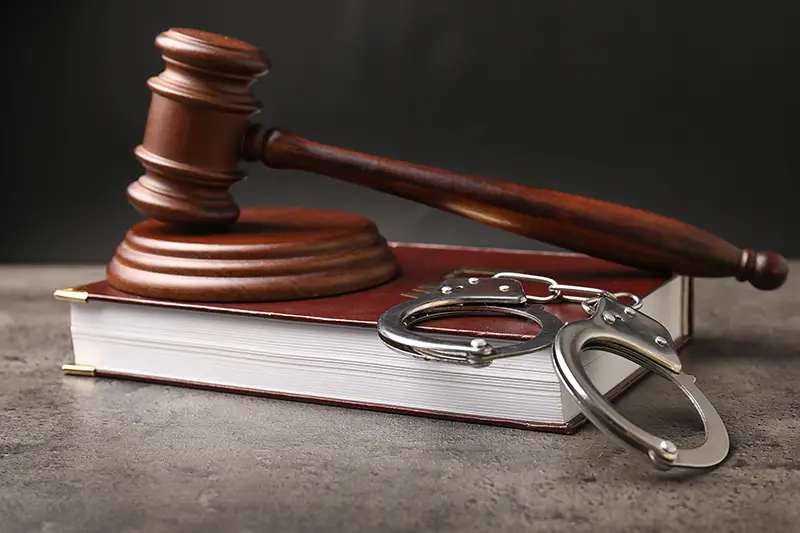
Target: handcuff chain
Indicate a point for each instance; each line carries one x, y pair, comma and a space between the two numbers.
558, 290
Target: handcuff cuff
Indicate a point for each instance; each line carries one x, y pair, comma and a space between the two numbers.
611, 326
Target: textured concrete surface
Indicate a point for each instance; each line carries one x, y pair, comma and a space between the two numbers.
87, 455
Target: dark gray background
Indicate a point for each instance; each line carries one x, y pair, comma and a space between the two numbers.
679, 108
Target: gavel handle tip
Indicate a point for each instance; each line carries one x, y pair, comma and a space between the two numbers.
764, 270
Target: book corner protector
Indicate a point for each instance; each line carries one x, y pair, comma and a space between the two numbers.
71, 294
78, 370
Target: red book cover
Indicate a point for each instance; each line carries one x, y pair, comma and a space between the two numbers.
424, 267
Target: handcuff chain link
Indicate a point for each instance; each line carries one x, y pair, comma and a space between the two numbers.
586, 296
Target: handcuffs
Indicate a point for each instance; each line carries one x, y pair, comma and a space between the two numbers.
611, 326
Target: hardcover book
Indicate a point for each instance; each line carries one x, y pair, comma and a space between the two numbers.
327, 349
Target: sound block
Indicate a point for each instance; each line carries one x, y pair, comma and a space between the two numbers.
268, 254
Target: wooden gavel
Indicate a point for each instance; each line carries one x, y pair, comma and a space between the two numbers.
199, 129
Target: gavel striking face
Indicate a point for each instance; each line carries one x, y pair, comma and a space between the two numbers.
199, 130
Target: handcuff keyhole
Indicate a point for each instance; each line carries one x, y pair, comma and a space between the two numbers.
447, 289
612, 318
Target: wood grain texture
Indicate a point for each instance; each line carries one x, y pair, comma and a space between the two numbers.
602, 229
268, 255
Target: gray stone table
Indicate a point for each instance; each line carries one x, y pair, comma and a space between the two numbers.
87, 455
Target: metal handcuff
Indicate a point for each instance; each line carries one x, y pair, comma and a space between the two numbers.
611, 326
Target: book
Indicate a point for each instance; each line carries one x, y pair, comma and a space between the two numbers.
327, 349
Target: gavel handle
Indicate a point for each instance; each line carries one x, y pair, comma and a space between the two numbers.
624, 235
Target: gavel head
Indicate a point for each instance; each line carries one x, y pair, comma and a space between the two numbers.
199, 118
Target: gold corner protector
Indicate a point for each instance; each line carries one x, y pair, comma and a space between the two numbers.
78, 370
71, 294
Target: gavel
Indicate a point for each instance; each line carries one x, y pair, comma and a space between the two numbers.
200, 129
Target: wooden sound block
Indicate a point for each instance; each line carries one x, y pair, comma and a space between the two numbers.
269, 254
